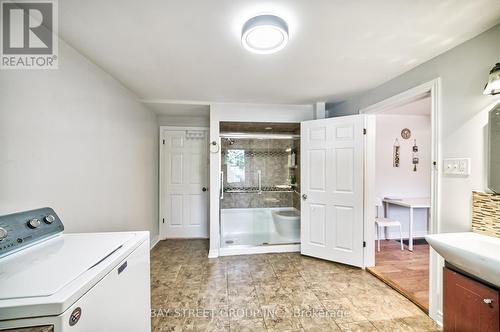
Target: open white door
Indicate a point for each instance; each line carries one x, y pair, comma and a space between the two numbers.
332, 168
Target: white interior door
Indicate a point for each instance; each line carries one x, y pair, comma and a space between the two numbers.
185, 181
332, 167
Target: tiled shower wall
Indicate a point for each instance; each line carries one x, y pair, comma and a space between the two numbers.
271, 158
255, 200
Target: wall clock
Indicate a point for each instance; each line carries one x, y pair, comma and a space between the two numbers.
406, 133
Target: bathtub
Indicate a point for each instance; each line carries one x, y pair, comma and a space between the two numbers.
254, 230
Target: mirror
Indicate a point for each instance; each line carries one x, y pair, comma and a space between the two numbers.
494, 150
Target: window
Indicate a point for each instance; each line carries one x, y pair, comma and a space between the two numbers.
235, 161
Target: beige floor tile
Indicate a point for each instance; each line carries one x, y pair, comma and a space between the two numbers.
248, 325
421, 323
215, 324
172, 324
275, 292
280, 318
395, 325
365, 326
343, 311
318, 324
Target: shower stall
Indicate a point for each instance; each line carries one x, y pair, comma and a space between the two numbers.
260, 192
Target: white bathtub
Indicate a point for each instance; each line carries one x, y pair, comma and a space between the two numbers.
253, 231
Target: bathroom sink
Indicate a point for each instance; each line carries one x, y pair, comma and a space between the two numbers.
476, 254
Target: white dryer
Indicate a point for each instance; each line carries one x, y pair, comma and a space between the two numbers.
71, 282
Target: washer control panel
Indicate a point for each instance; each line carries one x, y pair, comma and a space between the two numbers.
21, 229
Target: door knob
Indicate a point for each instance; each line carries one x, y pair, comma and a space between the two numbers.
304, 197
488, 301
204, 189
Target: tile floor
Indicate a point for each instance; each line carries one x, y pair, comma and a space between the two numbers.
270, 292
408, 271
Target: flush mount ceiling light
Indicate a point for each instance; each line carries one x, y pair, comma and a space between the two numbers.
264, 34
493, 85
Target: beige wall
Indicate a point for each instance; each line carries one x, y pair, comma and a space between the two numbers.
76, 140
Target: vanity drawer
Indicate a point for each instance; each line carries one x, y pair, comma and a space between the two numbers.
469, 305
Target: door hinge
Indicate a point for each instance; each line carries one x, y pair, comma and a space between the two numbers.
163, 142
364, 131
163, 220
364, 244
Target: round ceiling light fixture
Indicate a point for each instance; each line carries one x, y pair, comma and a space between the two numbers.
264, 34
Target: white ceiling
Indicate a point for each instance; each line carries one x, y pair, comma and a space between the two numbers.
190, 49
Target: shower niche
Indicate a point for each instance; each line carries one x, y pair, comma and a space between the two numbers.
260, 196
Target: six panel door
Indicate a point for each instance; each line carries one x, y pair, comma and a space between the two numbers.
185, 185
332, 157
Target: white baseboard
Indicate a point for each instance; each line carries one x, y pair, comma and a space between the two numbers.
439, 318
230, 251
213, 253
154, 242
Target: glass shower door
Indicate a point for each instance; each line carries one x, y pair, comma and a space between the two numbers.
258, 185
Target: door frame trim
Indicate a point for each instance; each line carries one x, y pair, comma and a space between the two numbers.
162, 235
435, 262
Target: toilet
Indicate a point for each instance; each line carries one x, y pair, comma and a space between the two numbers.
287, 223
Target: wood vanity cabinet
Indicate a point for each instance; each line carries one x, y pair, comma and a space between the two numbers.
469, 305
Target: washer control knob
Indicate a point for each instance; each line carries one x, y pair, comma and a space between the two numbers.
49, 219
3, 233
33, 223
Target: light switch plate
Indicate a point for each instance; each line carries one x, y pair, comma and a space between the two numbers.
456, 166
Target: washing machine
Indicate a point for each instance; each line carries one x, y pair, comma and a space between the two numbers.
58, 282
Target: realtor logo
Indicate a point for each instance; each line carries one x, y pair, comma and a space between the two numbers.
28, 34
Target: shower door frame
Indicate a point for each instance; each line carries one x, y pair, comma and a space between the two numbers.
252, 249
238, 112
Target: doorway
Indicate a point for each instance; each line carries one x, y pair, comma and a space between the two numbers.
417, 209
183, 182
403, 142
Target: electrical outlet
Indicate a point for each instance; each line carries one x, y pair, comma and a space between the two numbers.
457, 166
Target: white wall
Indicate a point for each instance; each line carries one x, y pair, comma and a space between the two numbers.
183, 121
243, 113
402, 181
76, 140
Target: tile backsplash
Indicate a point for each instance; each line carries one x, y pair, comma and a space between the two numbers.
486, 213
254, 200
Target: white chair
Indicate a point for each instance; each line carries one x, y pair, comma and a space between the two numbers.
386, 222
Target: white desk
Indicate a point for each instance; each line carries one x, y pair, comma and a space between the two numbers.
411, 204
